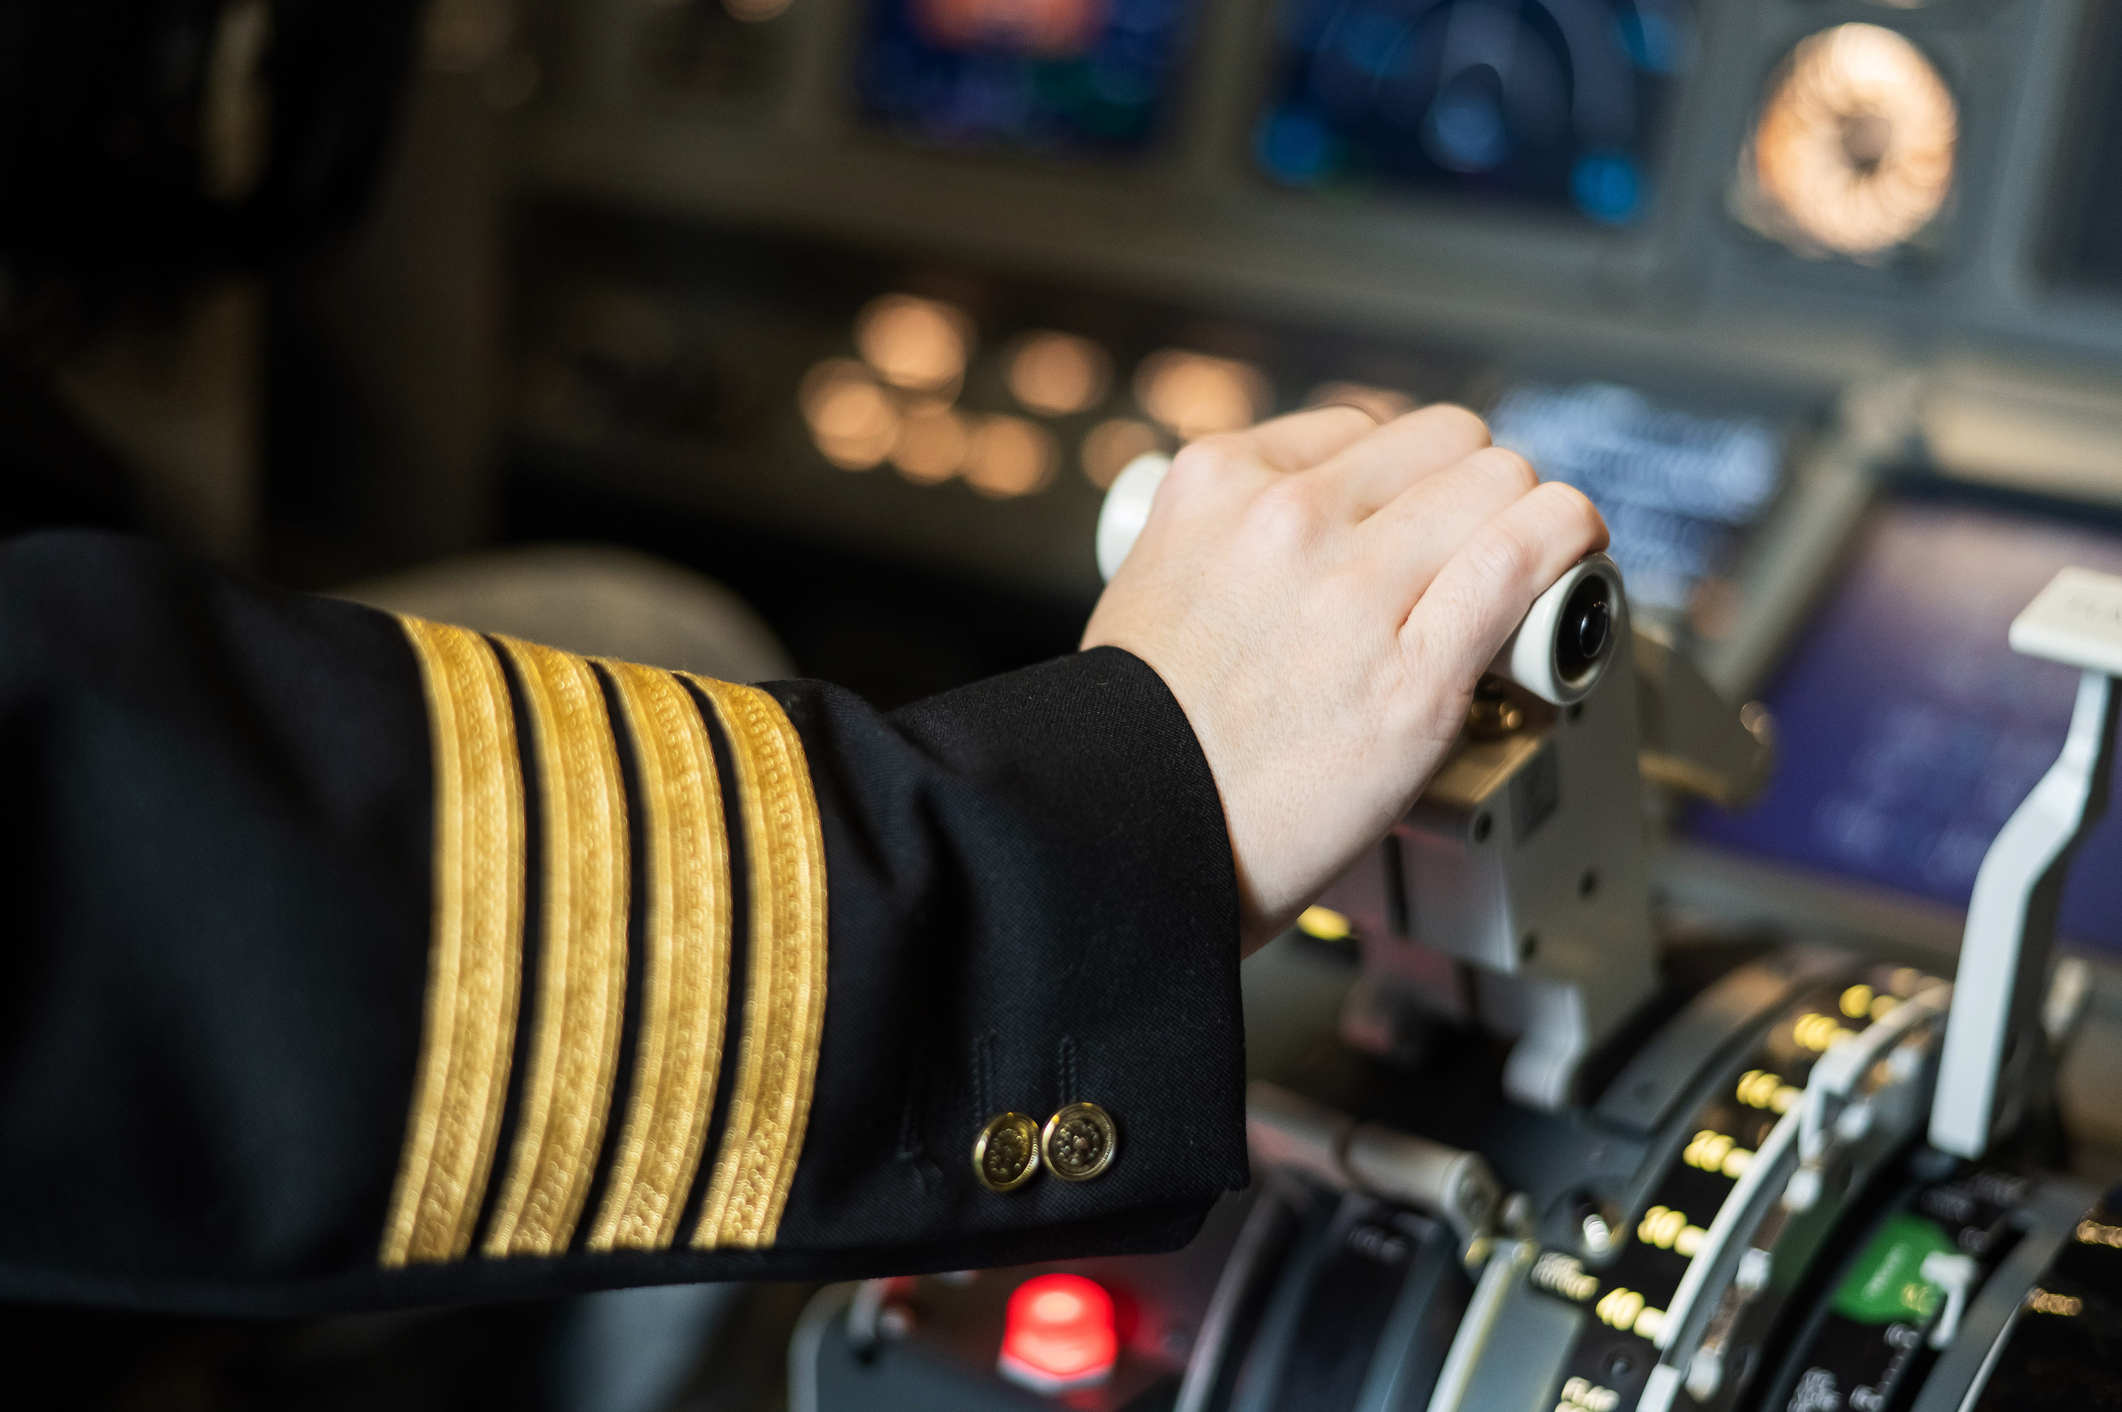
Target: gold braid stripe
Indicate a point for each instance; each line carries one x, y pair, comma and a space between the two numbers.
567, 1090
685, 991
784, 1005
474, 964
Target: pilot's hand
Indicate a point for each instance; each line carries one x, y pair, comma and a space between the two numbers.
1321, 594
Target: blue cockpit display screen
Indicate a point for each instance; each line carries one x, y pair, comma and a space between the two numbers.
1041, 75
1552, 103
1908, 730
1677, 489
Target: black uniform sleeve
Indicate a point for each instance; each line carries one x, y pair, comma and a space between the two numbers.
355, 961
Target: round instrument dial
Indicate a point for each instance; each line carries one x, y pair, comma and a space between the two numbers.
1853, 153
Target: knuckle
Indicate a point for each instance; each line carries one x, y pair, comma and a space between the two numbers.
1456, 423
1509, 470
1286, 512
1291, 500
1501, 557
1201, 462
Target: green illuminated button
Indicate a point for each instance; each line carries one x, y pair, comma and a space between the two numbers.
1887, 1286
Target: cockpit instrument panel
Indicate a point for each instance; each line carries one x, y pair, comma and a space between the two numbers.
1553, 103
1052, 75
1854, 148
1908, 730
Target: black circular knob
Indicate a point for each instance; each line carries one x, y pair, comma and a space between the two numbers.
1586, 631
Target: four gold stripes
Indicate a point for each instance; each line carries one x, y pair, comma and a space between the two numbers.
462, 1079
784, 1009
461, 1082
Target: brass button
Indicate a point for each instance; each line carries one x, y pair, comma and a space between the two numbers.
1079, 1142
1006, 1154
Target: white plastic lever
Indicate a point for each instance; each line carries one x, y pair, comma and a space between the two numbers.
1994, 1026
1954, 1274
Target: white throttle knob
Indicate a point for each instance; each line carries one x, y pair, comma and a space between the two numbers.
1569, 634
1557, 653
1126, 508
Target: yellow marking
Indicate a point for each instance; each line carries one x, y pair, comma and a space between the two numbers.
1584, 1395
474, 958
1668, 1229
686, 956
1324, 924
2042, 1301
1761, 1089
1661, 1226
1715, 1152
1620, 1307
1818, 1032
784, 1004
1707, 1150
581, 1002
2097, 1233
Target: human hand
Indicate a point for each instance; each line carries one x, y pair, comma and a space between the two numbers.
1321, 594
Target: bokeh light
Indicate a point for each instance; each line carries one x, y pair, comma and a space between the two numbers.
1109, 446
1196, 394
933, 444
1383, 403
1056, 374
1010, 456
853, 421
1854, 151
1045, 28
915, 343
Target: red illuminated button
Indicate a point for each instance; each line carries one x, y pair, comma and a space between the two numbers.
1059, 1334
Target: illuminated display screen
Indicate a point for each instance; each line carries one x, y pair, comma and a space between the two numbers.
1676, 489
1057, 75
1907, 730
1548, 102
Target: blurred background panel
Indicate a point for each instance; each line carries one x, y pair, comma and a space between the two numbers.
913, 280
805, 335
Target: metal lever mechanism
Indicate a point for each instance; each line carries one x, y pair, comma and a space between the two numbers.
1994, 1032
1456, 1186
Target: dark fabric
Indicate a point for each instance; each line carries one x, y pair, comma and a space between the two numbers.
1027, 875
215, 843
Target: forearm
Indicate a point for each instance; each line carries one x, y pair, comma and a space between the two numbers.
363, 962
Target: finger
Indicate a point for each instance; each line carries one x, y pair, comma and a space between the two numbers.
1483, 591
1427, 523
1373, 471
1302, 440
